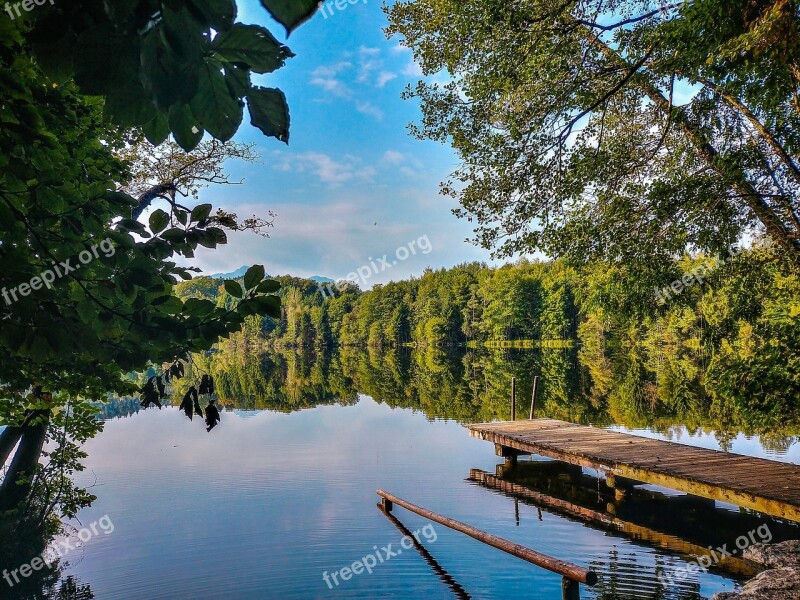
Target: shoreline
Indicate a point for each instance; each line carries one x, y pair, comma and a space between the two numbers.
780, 579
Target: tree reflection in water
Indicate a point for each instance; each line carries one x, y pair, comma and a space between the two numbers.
38, 494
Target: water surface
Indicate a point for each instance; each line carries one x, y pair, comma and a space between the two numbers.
269, 501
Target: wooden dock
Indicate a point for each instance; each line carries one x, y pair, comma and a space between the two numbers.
757, 484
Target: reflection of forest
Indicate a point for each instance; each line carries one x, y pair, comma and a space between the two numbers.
470, 385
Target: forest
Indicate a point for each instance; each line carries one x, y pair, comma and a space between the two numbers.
728, 336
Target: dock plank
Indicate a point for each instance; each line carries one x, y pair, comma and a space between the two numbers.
755, 483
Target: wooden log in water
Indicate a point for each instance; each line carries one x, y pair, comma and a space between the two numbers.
571, 571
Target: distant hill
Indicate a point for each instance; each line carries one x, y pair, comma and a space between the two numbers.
243, 269
233, 274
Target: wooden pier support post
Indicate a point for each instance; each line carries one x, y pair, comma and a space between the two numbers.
570, 590
513, 398
533, 395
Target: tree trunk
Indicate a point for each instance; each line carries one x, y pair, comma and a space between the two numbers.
8, 439
24, 464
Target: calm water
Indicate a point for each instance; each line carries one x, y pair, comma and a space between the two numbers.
274, 497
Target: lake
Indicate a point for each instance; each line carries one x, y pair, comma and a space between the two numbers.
282, 492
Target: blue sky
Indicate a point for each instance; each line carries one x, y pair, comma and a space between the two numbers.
352, 185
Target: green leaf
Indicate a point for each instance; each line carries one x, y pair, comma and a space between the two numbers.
251, 46
129, 105
158, 221
185, 127
140, 277
206, 239
220, 14
174, 235
86, 311
54, 48
253, 276
248, 307
291, 13
166, 76
201, 211
217, 109
198, 307
185, 33
219, 235
238, 80
269, 112
156, 130
131, 225
121, 239
269, 305
120, 198
233, 288
104, 59
172, 306
268, 287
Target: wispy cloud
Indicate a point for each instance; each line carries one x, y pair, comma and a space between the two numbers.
393, 157
337, 80
331, 171
367, 63
413, 69
368, 108
384, 77
326, 77
404, 161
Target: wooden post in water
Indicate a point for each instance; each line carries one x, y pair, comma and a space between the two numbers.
570, 590
533, 395
513, 398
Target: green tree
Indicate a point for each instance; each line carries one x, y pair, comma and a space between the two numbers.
575, 133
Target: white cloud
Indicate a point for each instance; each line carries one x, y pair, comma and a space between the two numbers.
405, 162
331, 171
368, 108
326, 78
413, 69
367, 63
384, 77
393, 157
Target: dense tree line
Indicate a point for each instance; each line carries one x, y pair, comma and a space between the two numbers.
732, 334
